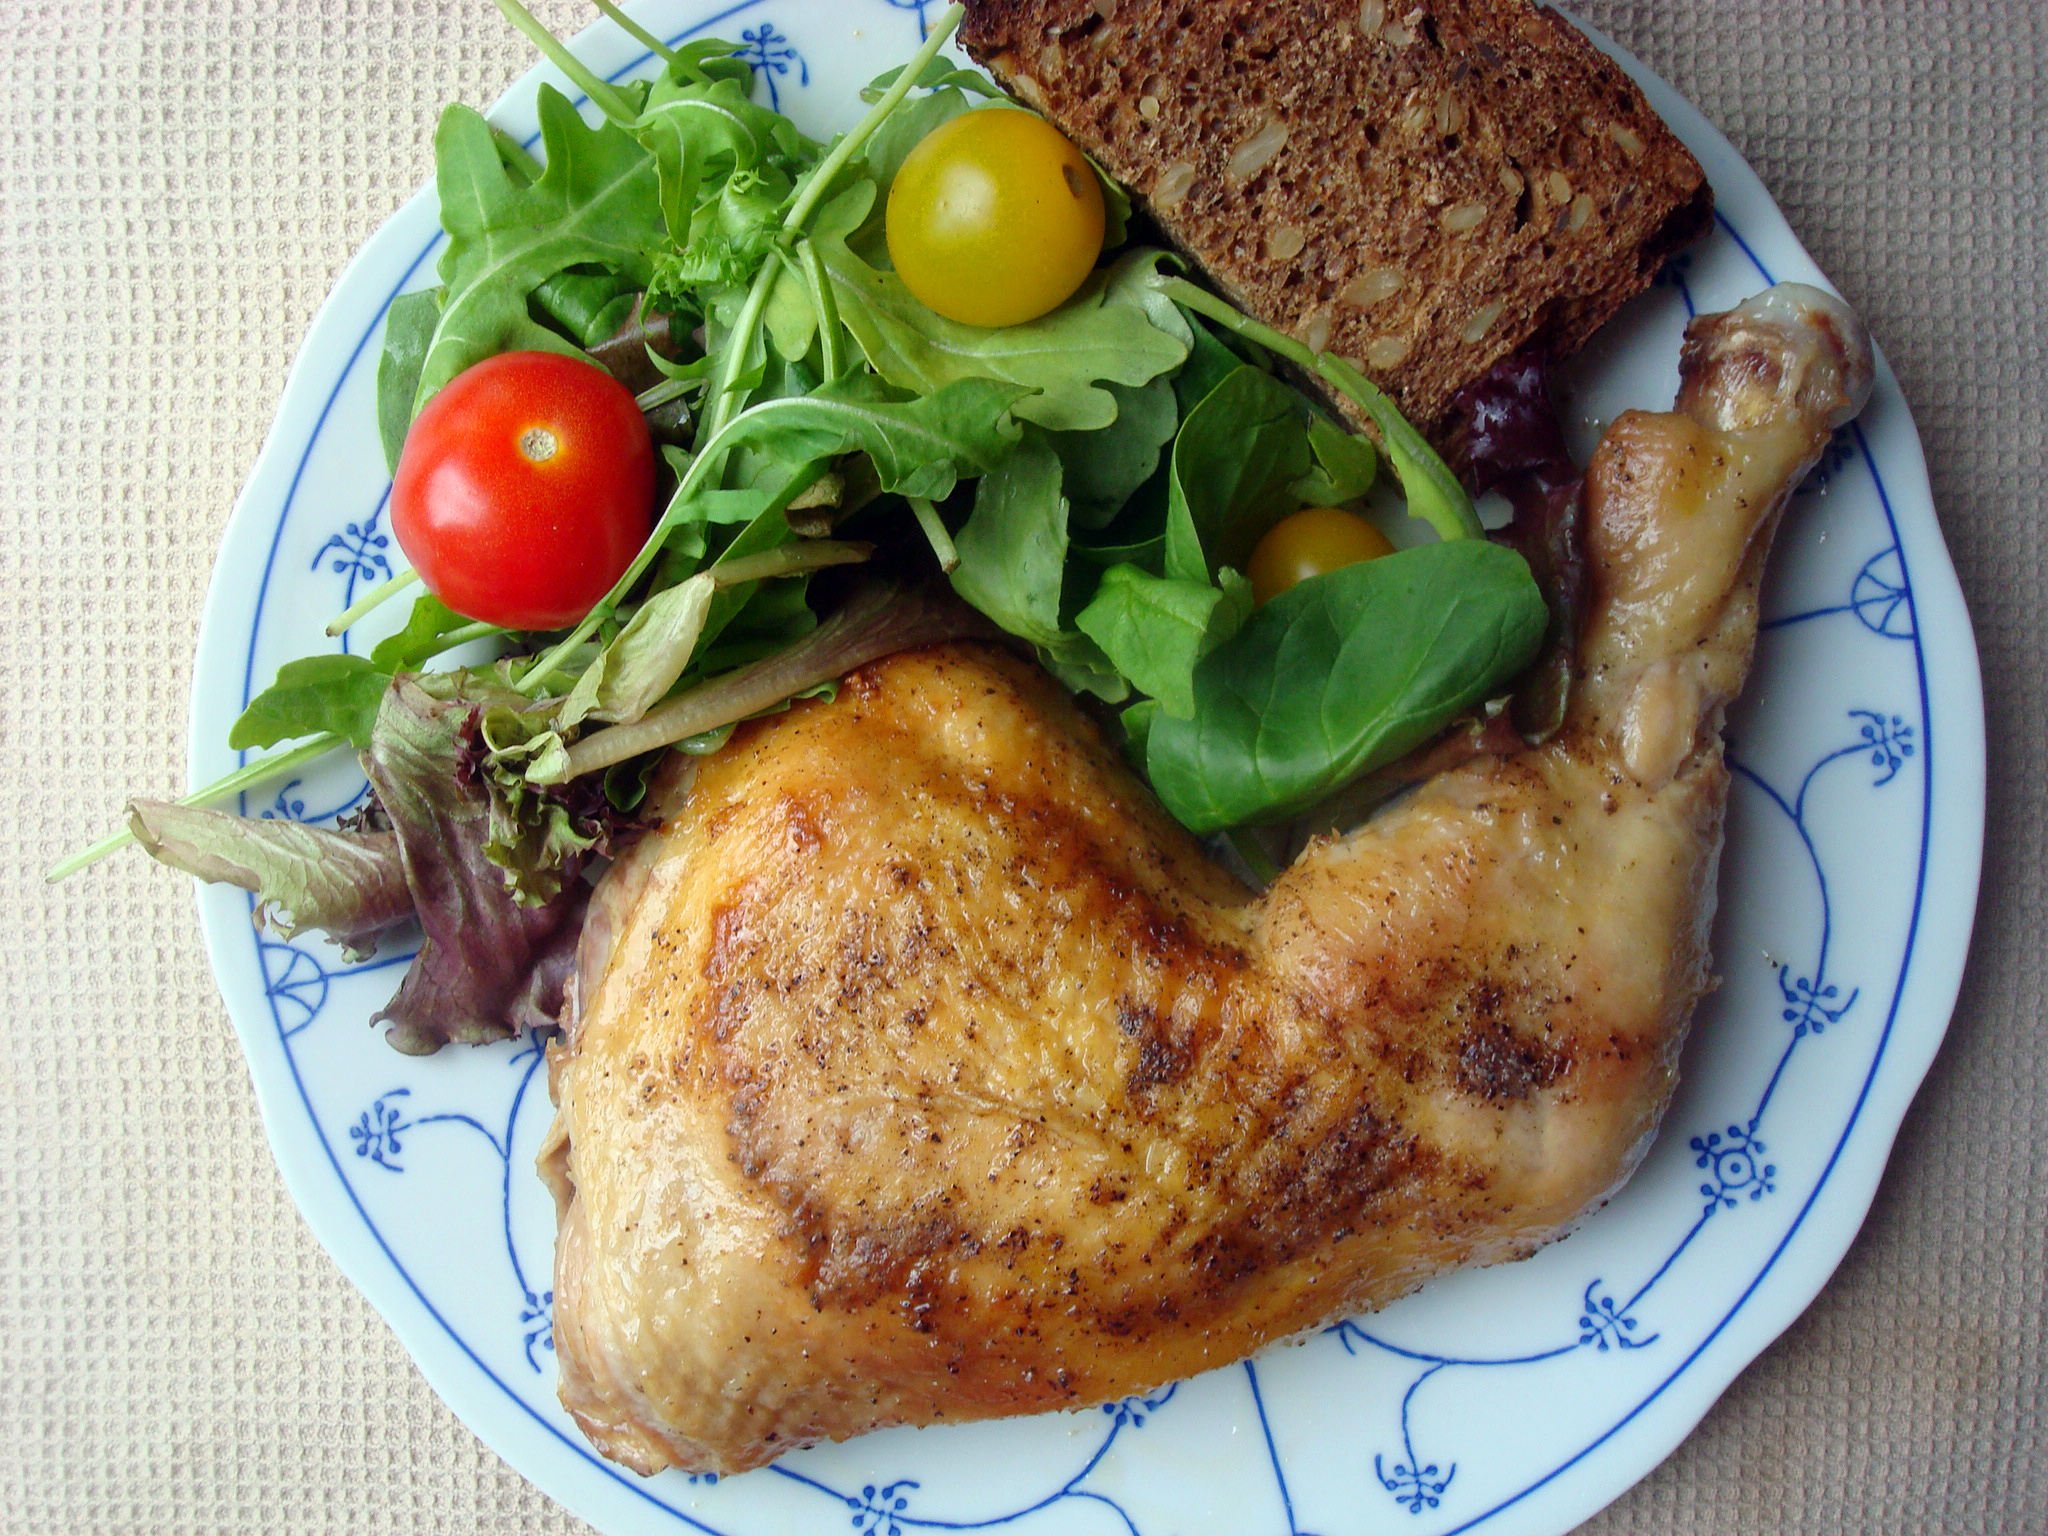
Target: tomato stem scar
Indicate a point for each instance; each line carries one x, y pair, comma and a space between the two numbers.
538, 444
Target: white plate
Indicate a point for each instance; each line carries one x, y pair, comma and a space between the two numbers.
1513, 1400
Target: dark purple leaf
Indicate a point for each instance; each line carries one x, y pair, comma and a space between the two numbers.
1504, 435
490, 966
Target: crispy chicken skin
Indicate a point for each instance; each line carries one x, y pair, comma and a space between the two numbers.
924, 1070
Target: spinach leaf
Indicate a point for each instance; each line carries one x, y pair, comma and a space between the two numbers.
1342, 674
1013, 547
1154, 629
1137, 534
1209, 363
1235, 463
316, 693
408, 332
1013, 566
1344, 469
1080, 665
1105, 468
595, 202
1061, 356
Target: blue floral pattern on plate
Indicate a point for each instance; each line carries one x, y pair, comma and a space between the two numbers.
1373, 1424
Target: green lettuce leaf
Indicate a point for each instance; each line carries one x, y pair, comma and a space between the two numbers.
1236, 461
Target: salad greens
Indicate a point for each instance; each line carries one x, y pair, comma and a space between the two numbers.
1310, 695
1090, 483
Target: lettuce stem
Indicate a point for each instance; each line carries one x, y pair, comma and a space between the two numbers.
821, 179
934, 530
248, 776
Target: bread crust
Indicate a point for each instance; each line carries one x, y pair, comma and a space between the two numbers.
1422, 188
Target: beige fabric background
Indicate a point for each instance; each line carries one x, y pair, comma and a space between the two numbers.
180, 183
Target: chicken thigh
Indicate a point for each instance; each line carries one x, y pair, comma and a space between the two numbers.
921, 1069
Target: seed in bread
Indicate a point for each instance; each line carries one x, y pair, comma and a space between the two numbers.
1422, 187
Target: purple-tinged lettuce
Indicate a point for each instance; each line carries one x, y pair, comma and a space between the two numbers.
351, 884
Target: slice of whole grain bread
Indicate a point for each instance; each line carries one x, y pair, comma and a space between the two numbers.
1422, 187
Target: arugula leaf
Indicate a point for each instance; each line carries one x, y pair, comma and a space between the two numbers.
1341, 675
1061, 356
408, 331
773, 616
1235, 463
351, 884
1433, 492
1154, 629
595, 202
905, 128
919, 447
703, 128
700, 61
335, 693
430, 621
586, 304
1133, 279
1116, 206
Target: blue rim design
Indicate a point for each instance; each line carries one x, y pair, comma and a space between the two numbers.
1414, 1483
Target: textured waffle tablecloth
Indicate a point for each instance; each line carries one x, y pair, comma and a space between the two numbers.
180, 184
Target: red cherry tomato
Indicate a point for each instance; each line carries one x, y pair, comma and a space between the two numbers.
524, 490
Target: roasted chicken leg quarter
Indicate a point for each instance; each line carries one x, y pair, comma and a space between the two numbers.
923, 1070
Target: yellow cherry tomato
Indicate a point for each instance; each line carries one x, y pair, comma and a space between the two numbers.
1310, 543
995, 218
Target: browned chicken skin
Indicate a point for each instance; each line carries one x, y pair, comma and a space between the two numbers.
926, 1071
